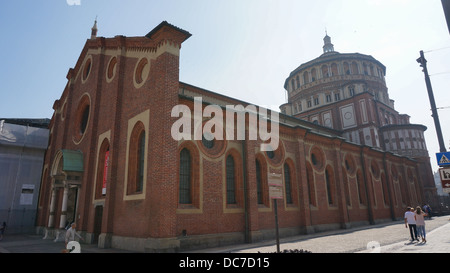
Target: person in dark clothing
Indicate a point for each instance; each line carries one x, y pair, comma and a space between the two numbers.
2, 230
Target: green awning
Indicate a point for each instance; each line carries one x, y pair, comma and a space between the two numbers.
72, 161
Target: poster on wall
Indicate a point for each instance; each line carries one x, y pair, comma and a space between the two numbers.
26, 196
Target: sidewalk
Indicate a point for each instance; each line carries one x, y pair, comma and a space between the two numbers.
391, 237
438, 241
35, 244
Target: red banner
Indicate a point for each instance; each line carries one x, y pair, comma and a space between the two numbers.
105, 172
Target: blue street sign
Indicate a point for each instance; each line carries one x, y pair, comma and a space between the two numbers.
443, 159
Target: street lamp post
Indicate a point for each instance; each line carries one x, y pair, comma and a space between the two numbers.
423, 63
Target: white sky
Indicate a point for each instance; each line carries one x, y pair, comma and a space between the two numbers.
240, 48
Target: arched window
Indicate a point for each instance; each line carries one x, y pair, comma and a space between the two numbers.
102, 170
311, 185
346, 68
313, 75
325, 73
355, 69
384, 186
231, 180
306, 77
261, 181
287, 183
136, 160
329, 179
361, 187
140, 163
334, 69
185, 177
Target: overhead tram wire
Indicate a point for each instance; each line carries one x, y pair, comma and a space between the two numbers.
437, 49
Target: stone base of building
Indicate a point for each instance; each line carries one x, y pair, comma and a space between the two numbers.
195, 242
55, 234
147, 245
177, 244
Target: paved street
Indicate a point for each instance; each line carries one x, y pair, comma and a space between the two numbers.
391, 237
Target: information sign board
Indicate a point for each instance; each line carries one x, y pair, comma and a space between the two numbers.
275, 186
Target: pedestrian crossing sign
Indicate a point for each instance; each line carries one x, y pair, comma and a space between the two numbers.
443, 159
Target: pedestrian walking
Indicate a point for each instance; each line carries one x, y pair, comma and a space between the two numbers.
427, 209
420, 223
410, 222
71, 233
2, 230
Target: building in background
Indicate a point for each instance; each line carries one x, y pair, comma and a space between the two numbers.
23, 143
348, 92
114, 166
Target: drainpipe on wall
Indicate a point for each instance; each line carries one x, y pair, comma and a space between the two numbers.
388, 183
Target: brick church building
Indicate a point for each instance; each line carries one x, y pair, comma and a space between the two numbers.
114, 167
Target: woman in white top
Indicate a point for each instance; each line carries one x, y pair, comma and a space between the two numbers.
420, 223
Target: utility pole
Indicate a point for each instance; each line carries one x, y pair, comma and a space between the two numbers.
423, 63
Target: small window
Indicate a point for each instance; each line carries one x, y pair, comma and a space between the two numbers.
351, 91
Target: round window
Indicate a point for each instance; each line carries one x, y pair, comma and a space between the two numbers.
141, 72
317, 158
87, 68
208, 140
111, 72
82, 116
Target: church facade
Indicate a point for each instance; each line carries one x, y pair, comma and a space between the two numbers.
114, 167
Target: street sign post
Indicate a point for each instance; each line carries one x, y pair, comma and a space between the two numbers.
275, 186
443, 159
